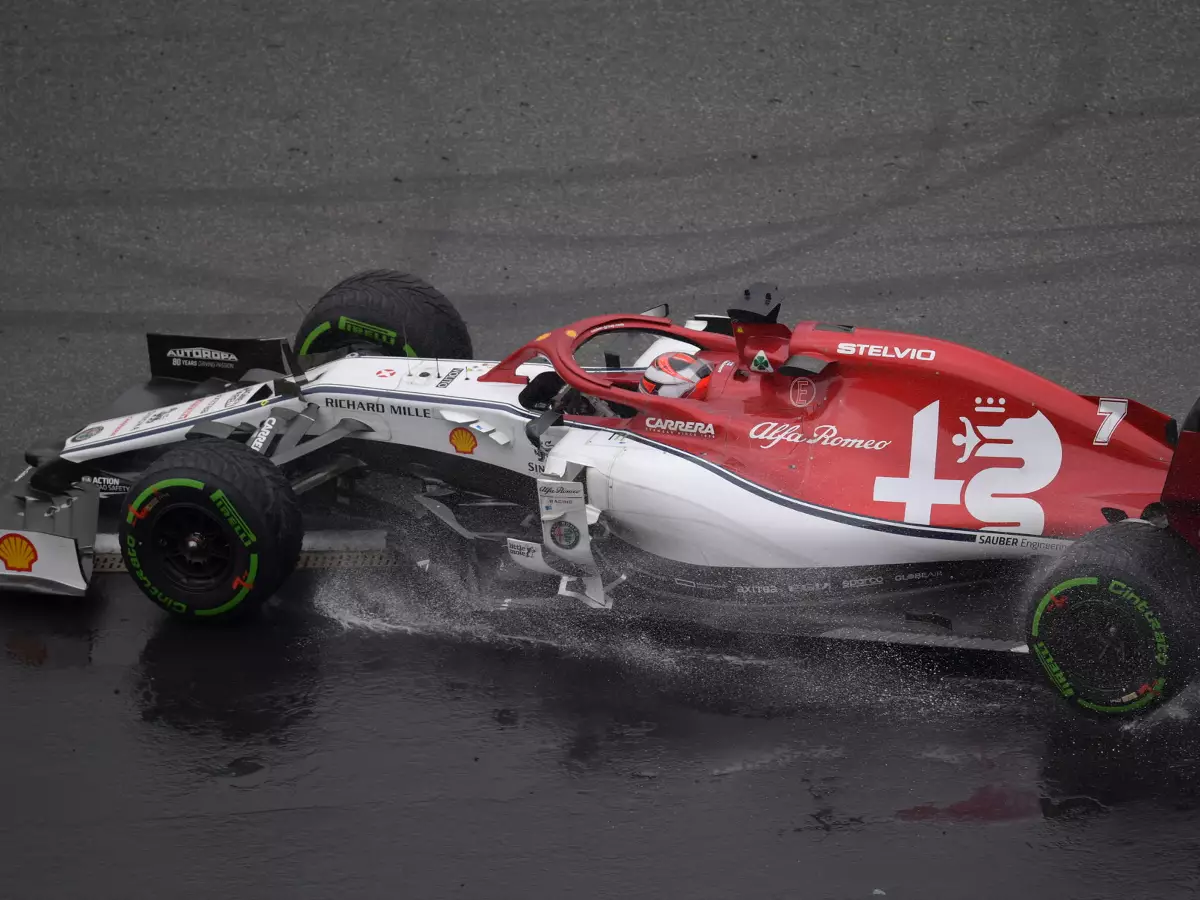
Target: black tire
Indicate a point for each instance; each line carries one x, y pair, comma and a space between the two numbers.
243, 507
1113, 622
393, 313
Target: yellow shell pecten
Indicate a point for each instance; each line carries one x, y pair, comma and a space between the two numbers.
463, 441
17, 553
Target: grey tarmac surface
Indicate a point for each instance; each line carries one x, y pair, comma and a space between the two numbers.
1017, 176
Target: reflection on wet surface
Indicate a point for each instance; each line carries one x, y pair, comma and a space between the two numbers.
351, 705
242, 684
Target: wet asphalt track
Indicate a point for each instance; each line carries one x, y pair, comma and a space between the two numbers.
1018, 176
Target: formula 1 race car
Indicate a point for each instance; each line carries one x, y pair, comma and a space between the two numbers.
832, 480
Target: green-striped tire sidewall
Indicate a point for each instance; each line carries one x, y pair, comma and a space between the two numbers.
1115, 592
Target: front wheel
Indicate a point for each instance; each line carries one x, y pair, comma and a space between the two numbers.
211, 530
1114, 624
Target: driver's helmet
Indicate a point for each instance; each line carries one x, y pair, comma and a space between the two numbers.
677, 374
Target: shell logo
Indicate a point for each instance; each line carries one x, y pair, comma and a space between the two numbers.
17, 553
463, 441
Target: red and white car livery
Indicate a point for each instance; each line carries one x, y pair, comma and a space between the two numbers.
816, 446
822, 460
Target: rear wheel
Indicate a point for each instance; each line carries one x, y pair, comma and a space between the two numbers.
211, 530
1113, 623
387, 312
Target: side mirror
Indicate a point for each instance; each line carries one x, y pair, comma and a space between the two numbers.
803, 365
660, 312
535, 428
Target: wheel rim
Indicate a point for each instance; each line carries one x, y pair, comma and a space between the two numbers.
194, 548
1103, 643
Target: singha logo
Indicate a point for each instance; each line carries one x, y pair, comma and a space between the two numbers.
997, 495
